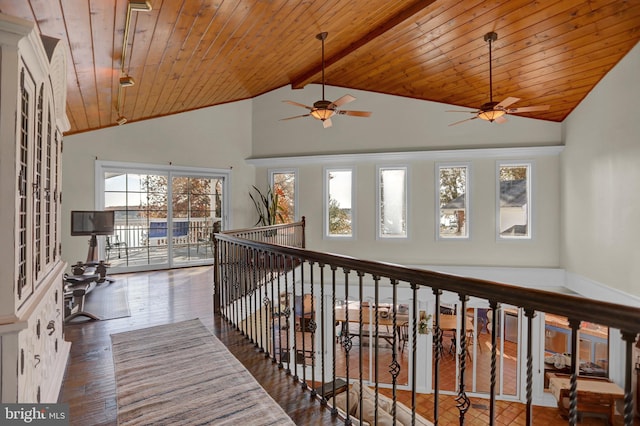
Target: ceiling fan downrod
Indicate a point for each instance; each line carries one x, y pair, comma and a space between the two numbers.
322, 37
490, 37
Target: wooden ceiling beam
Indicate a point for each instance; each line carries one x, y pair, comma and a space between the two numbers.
308, 77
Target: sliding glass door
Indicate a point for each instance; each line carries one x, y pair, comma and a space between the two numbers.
165, 217
197, 211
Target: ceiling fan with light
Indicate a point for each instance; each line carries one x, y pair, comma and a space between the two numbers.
496, 111
323, 110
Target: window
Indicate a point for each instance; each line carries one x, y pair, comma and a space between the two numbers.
392, 202
338, 202
514, 201
452, 201
284, 184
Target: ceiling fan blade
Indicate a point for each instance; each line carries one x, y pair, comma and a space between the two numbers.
356, 113
528, 109
343, 100
501, 119
297, 116
299, 104
327, 123
507, 102
462, 121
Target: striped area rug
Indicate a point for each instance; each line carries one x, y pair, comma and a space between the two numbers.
180, 374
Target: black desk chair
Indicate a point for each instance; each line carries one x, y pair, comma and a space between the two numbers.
114, 243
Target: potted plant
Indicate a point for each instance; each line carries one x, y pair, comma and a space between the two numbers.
423, 324
267, 206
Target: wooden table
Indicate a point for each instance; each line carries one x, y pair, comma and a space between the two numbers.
450, 323
385, 319
594, 395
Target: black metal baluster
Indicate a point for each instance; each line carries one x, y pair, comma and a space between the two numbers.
436, 371
334, 410
574, 324
227, 282
303, 328
235, 280
530, 314
360, 357
312, 330
394, 367
271, 317
629, 337
462, 399
257, 304
242, 299
264, 300
414, 348
376, 296
346, 340
255, 293
280, 310
323, 335
295, 329
287, 314
494, 355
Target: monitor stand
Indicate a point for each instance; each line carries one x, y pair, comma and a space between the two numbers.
92, 260
92, 254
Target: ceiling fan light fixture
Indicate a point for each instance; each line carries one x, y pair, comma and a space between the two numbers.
322, 113
491, 115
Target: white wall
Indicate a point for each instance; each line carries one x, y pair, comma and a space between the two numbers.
400, 124
601, 181
217, 137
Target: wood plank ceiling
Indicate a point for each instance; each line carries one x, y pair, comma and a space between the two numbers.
190, 54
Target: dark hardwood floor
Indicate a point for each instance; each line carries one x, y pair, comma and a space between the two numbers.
162, 297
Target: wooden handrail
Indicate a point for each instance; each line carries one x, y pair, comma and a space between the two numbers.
253, 272
622, 317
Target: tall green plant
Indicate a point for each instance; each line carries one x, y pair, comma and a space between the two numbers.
267, 206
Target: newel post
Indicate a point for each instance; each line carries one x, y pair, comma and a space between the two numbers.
216, 274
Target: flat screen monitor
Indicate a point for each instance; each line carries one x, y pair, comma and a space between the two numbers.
92, 222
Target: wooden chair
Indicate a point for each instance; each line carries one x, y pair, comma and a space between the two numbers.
403, 335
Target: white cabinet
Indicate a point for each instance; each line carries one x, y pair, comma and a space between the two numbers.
33, 352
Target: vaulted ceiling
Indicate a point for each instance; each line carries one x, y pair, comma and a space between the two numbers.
190, 54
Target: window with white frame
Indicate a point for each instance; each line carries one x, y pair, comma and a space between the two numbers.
452, 201
392, 202
514, 200
339, 208
284, 185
